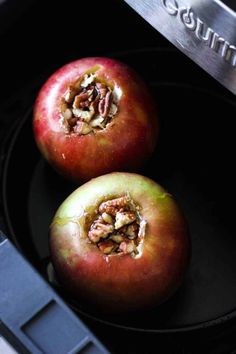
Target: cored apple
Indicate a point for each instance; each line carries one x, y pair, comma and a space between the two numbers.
120, 242
94, 116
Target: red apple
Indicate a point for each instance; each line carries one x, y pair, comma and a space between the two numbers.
94, 116
121, 242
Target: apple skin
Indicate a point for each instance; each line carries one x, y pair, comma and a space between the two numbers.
120, 284
124, 145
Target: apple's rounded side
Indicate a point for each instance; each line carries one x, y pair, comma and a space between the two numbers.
125, 143
121, 283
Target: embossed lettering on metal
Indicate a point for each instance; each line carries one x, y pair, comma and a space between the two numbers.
205, 30
201, 30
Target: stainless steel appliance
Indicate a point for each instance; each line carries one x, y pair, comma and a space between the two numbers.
205, 30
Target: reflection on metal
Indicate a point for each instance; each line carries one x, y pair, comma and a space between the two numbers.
5, 347
205, 30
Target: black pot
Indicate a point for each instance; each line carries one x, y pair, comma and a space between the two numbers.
194, 162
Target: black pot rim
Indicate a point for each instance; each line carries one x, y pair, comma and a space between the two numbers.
11, 139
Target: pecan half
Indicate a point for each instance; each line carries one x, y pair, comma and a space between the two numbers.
111, 206
79, 99
124, 218
105, 104
99, 230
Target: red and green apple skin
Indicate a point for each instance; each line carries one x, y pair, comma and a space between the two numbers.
124, 145
117, 284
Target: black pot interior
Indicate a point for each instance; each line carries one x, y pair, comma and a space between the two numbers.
193, 161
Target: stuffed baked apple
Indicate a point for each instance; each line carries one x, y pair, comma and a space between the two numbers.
94, 116
121, 242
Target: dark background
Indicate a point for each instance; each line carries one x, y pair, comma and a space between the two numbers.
47, 34
36, 38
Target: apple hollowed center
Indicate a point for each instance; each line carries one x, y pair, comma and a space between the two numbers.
89, 105
118, 227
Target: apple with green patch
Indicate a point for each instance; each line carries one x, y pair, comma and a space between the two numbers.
94, 116
121, 242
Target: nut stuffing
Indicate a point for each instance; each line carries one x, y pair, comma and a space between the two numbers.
118, 227
88, 105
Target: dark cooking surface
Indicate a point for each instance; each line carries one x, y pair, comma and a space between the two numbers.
209, 180
192, 161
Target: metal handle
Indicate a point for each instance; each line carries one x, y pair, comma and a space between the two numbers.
35, 314
205, 30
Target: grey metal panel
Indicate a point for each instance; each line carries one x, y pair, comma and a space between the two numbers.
205, 30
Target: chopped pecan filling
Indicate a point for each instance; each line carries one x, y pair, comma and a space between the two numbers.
88, 105
118, 227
